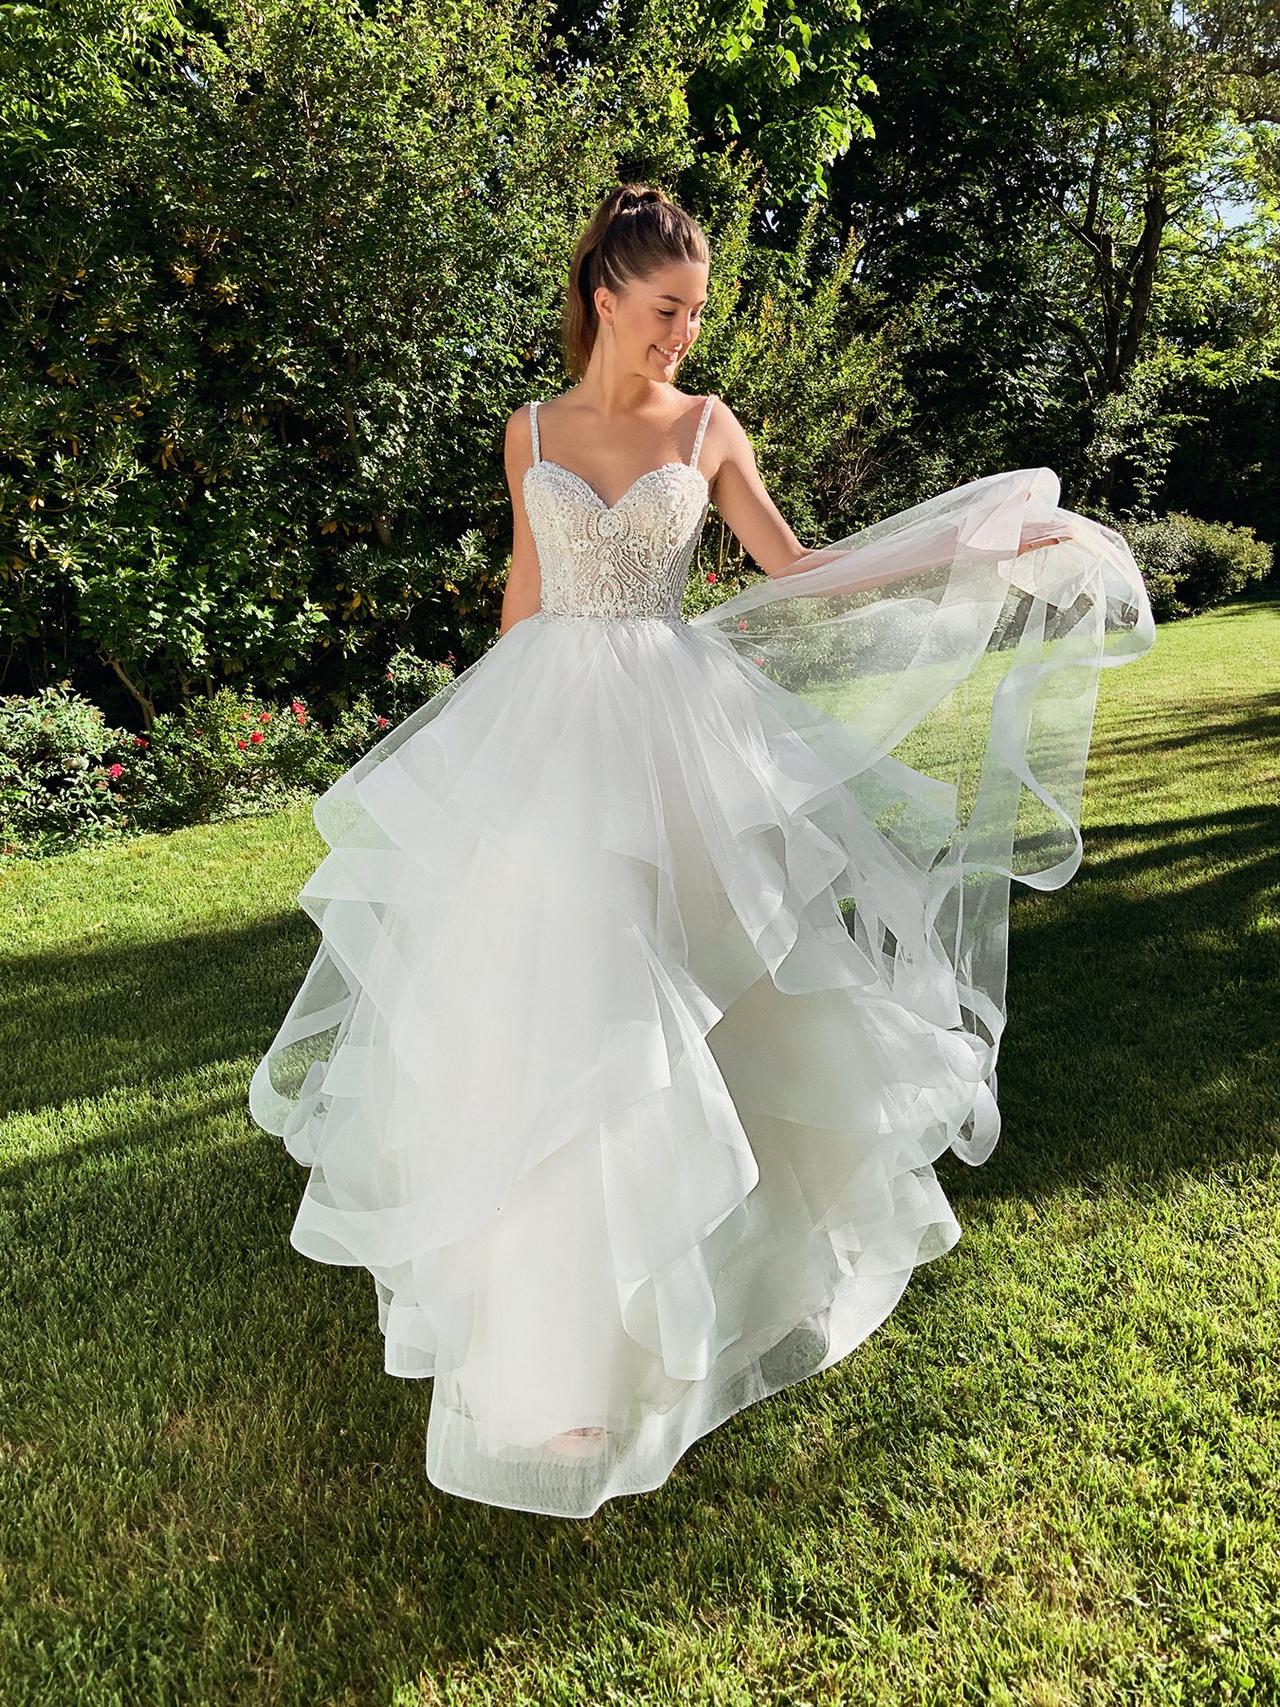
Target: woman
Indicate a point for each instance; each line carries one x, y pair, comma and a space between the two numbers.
630, 1121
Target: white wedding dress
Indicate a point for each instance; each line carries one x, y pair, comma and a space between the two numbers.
630, 1122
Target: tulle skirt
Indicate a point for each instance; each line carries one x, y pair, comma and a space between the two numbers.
627, 1051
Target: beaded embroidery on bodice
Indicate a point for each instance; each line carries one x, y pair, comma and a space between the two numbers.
624, 560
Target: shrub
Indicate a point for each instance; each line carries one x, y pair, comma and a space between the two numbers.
1192, 565
407, 682
60, 766
411, 681
248, 403
67, 777
226, 755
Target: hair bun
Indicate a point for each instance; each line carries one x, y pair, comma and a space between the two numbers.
629, 199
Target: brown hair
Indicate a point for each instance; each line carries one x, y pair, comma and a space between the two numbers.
634, 230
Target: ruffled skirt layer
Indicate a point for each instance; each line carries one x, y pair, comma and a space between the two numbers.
630, 1122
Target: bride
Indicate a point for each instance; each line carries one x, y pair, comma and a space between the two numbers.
660, 959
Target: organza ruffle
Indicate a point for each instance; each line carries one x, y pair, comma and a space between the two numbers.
951, 676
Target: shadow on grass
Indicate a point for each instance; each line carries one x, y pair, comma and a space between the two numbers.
78, 1024
1256, 596
1201, 719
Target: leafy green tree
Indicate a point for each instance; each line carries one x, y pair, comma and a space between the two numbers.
1082, 187
270, 290
1165, 238
775, 87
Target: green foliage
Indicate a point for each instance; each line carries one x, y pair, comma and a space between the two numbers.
787, 84
59, 767
811, 364
224, 756
406, 683
716, 581
1224, 464
269, 291
66, 777
1191, 565
1087, 187
410, 681
1135, 426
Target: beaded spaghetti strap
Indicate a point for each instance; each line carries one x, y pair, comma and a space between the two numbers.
702, 426
533, 430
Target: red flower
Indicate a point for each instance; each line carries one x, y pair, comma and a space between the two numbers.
742, 622
711, 575
757, 660
256, 738
296, 705
114, 771
264, 717
141, 741
384, 723
242, 745
302, 717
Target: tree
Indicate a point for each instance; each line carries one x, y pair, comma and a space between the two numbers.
1082, 187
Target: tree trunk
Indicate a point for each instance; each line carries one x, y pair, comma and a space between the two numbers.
148, 709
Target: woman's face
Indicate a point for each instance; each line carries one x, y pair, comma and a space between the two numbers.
656, 320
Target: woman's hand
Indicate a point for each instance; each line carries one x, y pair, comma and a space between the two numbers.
1039, 541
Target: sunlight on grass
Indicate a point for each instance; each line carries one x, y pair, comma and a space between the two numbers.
1049, 1478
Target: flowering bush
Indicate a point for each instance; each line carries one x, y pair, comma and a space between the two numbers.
66, 777
411, 681
712, 581
224, 756
60, 768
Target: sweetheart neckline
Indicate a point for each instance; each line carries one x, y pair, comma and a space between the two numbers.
588, 487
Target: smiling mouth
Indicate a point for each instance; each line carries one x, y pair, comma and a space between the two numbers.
667, 355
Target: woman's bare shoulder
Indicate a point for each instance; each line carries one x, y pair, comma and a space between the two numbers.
724, 443
517, 423
721, 414
562, 401
689, 402
722, 423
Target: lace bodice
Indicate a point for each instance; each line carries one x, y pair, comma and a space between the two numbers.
627, 559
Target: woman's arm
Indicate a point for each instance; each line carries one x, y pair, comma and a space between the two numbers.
523, 593
740, 496
758, 525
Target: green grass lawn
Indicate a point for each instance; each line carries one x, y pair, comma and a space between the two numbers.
1050, 1478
